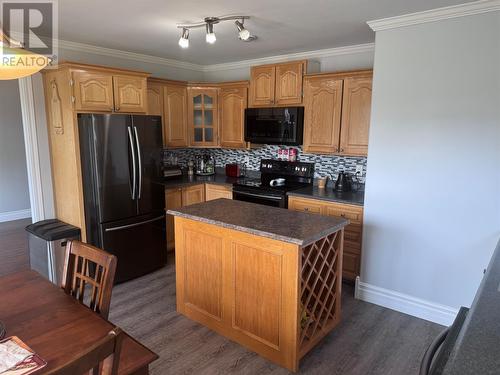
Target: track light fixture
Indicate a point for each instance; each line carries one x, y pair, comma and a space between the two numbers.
210, 36
184, 40
243, 33
209, 23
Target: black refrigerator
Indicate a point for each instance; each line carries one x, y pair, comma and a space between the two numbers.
124, 207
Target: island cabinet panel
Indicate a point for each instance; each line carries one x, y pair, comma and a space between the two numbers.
257, 282
130, 94
93, 91
259, 293
203, 273
213, 191
356, 110
322, 108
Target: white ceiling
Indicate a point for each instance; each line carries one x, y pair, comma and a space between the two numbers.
283, 26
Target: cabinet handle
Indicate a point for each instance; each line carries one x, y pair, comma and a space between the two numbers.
117, 108
341, 150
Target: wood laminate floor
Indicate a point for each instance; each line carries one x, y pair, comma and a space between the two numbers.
370, 339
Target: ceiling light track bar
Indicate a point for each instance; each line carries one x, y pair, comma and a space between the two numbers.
212, 20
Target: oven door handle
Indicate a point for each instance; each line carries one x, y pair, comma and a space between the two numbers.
271, 197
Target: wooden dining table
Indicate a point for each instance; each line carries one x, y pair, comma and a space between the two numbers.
56, 326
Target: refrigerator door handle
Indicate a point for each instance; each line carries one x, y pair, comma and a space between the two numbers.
134, 166
134, 224
140, 162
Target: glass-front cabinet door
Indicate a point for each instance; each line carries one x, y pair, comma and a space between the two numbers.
203, 116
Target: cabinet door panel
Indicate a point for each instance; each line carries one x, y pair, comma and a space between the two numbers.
193, 194
232, 104
130, 94
217, 191
289, 83
155, 99
356, 110
322, 110
93, 91
262, 85
175, 116
203, 117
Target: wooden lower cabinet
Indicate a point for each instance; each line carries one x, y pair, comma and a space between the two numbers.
352, 233
213, 191
193, 194
180, 197
173, 200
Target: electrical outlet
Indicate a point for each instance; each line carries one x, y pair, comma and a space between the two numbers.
359, 169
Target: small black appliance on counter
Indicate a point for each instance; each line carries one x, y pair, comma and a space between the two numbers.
344, 182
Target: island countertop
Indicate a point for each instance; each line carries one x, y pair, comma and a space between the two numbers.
276, 223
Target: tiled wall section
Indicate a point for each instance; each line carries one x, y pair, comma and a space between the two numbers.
326, 165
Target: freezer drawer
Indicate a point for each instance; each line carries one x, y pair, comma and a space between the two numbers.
139, 245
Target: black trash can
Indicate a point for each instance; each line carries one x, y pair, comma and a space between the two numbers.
47, 244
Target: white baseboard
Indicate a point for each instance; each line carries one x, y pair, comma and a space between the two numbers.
15, 215
405, 303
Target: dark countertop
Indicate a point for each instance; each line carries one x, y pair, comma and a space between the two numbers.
477, 348
185, 180
277, 223
330, 195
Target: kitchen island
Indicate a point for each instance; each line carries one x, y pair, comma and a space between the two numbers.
265, 277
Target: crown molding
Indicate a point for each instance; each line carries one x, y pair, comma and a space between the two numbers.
454, 11
96, 50
82, 47
329, 52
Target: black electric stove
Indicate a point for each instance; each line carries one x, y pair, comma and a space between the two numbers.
296, 175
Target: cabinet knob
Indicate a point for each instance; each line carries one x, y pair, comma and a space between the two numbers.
341, 150
117, 108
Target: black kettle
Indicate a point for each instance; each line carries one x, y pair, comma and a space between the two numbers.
344, 182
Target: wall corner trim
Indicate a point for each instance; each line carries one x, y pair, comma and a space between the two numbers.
405, 303
15, 215
454, 11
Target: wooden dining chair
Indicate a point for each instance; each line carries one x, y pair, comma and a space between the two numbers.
102, 358
89, 269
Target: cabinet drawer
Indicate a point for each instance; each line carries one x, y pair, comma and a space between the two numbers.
352, 213
304, 205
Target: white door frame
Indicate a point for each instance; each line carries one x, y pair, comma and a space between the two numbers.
26, 93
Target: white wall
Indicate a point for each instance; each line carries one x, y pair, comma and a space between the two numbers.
14, 195
156, 69
332, 63
432, 205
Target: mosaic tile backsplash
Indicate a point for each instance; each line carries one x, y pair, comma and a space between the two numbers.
325, 165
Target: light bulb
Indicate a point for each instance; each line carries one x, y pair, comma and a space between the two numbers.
210, 37
244, 33
184, 39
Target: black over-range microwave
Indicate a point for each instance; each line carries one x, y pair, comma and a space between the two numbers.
274, 126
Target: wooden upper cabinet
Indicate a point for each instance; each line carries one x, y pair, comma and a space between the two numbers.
322, 111
93, 91
262, 85
289, 79
130, 94
356, 109
175, 128
232, 104
203, 117
155, 99
277, 84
